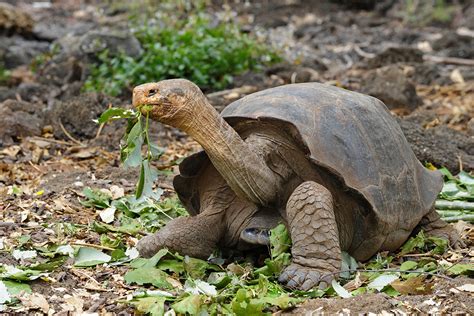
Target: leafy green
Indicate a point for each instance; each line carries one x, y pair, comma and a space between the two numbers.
193, 48
88, 257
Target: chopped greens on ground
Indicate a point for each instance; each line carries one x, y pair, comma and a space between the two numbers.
234, 285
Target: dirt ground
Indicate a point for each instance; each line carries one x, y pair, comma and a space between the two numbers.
49, 143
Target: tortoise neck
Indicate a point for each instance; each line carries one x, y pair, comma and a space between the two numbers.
244, 170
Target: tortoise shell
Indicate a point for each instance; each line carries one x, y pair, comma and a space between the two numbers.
352, 135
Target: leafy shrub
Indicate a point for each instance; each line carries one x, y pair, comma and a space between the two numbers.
4, 75
206, 54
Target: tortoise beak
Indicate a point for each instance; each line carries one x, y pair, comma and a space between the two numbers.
138, 97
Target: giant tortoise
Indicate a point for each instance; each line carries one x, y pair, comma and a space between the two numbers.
331, 164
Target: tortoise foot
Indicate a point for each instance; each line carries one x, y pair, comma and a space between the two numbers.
433, 225
296, 276
195, 236
149, 245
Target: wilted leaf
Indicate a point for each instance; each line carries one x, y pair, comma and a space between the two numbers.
461, 268
189, 305
408, 265
382, 281
87, 257
153, 305
15, 288
24, 254
148, 275
348, 264
199, 287
415, 286
342, 292
196, 268
107, 215
116, 113
280, 240
469, 287
4, 294
172, 265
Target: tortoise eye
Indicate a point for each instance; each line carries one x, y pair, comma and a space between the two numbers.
152, 92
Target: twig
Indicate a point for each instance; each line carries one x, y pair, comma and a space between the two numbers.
92, 246
391, 270
35, 167
69, 135
360, 52
449, 60
86, 275
99, 130
61, 142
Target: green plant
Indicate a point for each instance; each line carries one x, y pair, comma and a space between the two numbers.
428, 12
197, 50
4, 75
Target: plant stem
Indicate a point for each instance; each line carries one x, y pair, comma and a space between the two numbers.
454, 205
464, 217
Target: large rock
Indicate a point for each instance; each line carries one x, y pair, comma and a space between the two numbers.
19, 119
77, 115
16, 51
13, 20
96, 41
442, 146
394, 55
391, 85
78, 52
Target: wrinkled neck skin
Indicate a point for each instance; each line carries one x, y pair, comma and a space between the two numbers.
243, 169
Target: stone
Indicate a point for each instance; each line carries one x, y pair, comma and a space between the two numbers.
19, 119
14, 21
391, 85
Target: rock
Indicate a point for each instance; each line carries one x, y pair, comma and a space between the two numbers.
54, 30
14, 21
391, 85
60, 70
296, 73
440, 145
77, 52
7, 93
77, 115
16, 51
19, 119
95, 41
32, 92
455, 45
394, 55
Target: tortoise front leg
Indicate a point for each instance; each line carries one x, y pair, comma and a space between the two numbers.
313, 230
195, 236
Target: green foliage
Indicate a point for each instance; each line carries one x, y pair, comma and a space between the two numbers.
428, 12
4, 75
422, 243
456, 199
204, 53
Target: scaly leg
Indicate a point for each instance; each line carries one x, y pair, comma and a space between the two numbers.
313, 229
195, 236
434, 226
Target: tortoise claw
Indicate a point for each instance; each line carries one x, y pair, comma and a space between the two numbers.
302, 278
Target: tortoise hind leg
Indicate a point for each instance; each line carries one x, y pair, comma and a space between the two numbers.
433, 225
316, 251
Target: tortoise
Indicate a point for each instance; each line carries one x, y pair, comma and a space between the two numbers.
331, 164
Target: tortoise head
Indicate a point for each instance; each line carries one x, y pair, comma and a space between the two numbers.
173, 102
